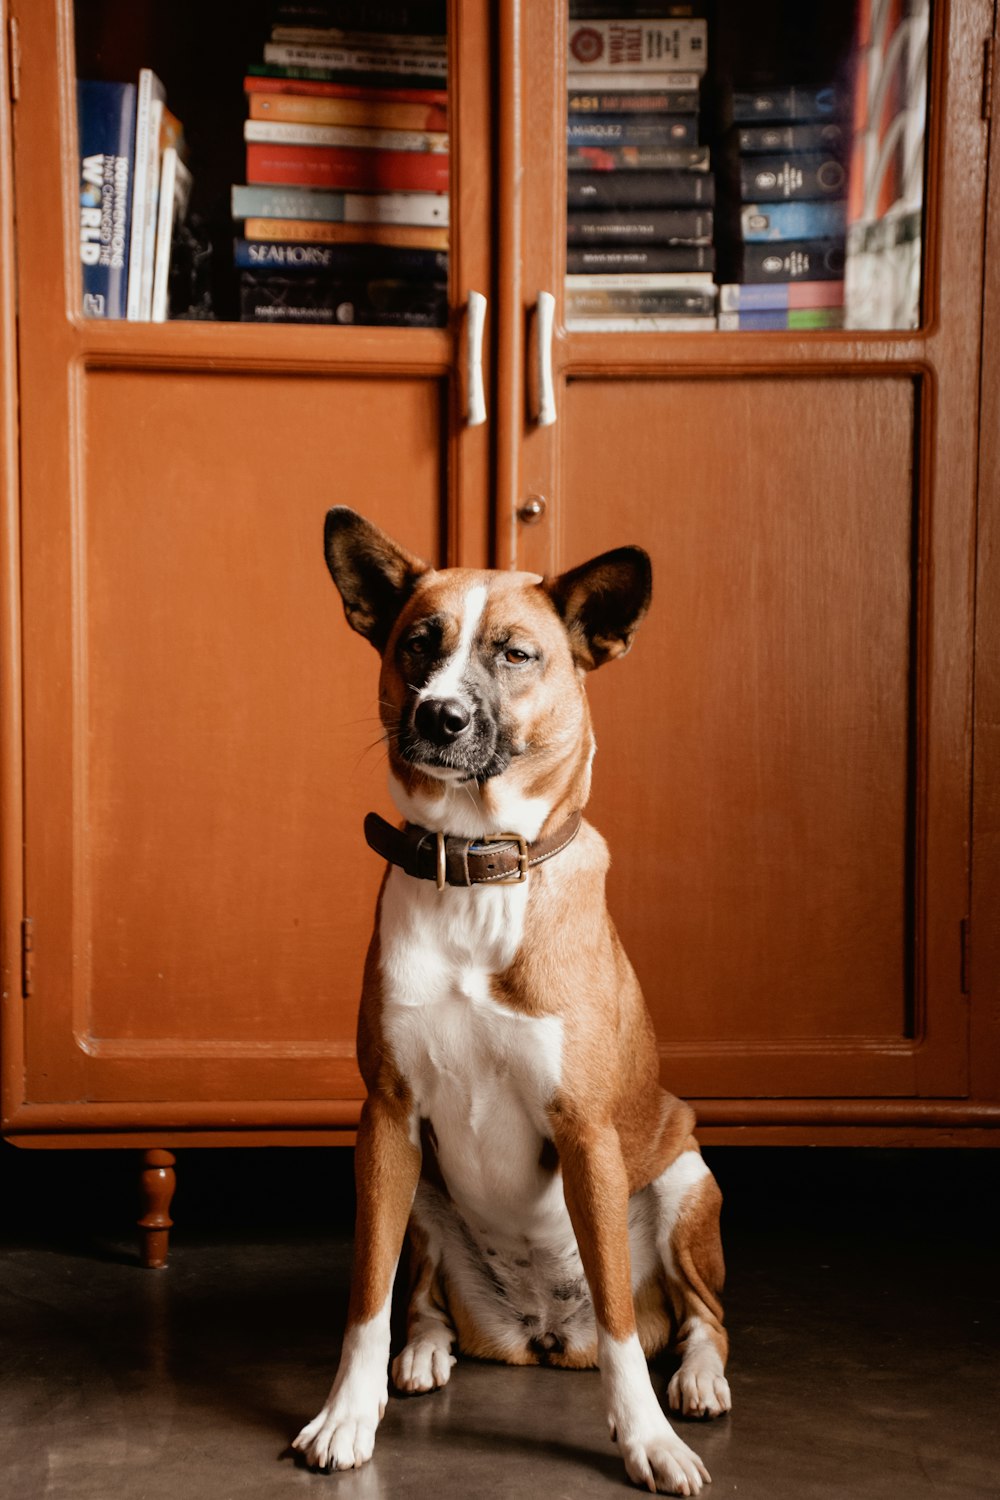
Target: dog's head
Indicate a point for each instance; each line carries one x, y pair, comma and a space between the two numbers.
482, 672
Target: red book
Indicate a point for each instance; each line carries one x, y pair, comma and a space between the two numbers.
253, 84
352, 167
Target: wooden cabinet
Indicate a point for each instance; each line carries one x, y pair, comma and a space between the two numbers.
785, 768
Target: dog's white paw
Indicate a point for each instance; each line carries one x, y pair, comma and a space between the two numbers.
662, 1463
424, 1365
339, 1438
699, 1393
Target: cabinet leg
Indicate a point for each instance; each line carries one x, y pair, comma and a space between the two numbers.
157, 1182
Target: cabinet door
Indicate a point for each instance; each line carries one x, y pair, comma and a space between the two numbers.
784, 759
201, 731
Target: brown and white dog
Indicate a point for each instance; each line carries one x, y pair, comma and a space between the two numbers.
559, 1209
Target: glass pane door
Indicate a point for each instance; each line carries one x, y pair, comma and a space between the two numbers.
289, 166
744, 167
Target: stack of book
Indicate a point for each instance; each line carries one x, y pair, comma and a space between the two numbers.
344, 215
640, 194
134, 186
792, 147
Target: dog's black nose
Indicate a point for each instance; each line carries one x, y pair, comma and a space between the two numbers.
441, 720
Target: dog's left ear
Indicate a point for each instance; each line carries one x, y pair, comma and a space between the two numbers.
374, 574
602, 603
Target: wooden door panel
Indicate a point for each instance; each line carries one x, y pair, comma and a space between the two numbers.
220, 744
767, 701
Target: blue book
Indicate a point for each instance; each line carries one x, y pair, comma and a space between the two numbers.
793, 221
106, 125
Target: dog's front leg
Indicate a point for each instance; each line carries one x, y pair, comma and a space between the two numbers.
387, 1169
596, 1187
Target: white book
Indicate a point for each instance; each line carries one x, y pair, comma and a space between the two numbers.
175, 189
640, 323
292, 133
632, 83
643, 280
264, 201
145, 179
637, 46
150, 211
357, 60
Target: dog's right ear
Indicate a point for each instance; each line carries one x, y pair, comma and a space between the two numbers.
375, 576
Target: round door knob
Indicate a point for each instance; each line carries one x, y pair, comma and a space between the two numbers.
532, 510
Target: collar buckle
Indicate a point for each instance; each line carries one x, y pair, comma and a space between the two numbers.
522, 855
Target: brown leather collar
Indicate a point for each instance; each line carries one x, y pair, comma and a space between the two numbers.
495, 858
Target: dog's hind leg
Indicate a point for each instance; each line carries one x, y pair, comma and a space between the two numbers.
426, 1362
687, 1238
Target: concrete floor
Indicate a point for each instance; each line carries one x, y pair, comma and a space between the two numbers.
862, 1303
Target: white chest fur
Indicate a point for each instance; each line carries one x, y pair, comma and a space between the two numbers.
480, 1071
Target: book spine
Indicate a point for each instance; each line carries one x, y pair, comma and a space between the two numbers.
374, 41
806, 317
267, 80
604, 190
267, 299
614, 81
285, 258
666, 302
793, 221
808, 260
150, 210
634, 102
789, 104
376, 114
638, 46
358, 60
769, 297
629, 226
175, 189
260, 200
411, 236
292, 133
106, 128
648, 281
640, 323
347, 167
638, 158
625, 130
641, 259
397, 82
770, 179
145, 157
823, 135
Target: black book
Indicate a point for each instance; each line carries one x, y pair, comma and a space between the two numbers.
669, 189
303, 299
641, 259
817, 135
792, 260
789, 102
627, 226
772, 179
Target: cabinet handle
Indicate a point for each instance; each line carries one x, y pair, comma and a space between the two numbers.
475, 399
544, 321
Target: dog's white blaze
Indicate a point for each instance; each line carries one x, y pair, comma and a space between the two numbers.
447, 680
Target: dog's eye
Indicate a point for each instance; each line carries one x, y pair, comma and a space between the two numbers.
515, 656
419, 645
